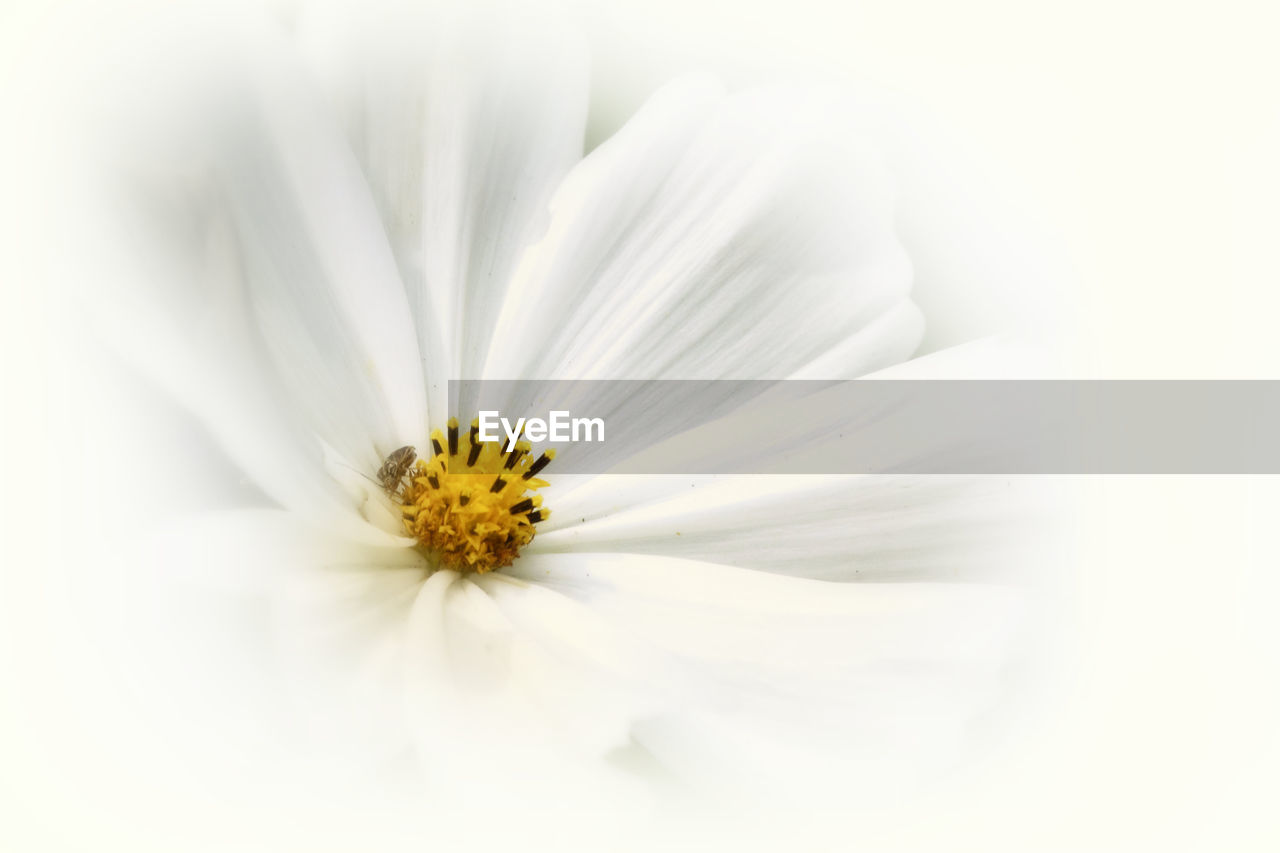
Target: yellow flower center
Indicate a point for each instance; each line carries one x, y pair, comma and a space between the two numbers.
473, 507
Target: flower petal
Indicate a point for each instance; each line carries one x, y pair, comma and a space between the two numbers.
847, 528
522, 667
836, 678
201, 348
516, 692
321, 279
464, 125
713, 237
256, 258
340, 636
875, 527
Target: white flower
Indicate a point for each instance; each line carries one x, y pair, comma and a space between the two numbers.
330, 242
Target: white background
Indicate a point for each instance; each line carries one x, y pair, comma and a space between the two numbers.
1137, 145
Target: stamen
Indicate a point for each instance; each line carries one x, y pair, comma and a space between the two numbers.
521, 448
474, 438
478, 517
543, 461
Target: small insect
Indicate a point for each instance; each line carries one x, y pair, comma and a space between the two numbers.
394, 467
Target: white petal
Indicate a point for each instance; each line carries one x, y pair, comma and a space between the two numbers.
340, 635
491, 651
882, 342
320, 277
325, 295
183, 610
870, 683
206, 358
516, 692
830, 527
245, 551
258, 283
712, 237
464, 125
834, 527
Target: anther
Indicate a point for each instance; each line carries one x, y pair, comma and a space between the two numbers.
543, 461
453, 436
514, 457
476, 447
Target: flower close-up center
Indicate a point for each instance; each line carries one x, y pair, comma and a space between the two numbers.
471, 506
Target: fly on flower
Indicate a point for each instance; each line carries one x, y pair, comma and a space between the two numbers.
394, 467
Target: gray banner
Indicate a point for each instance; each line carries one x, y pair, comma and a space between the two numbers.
890, 427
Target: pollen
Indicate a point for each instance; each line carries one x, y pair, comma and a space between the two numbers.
473, 505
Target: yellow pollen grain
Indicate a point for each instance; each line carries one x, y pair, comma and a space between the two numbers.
472, 505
